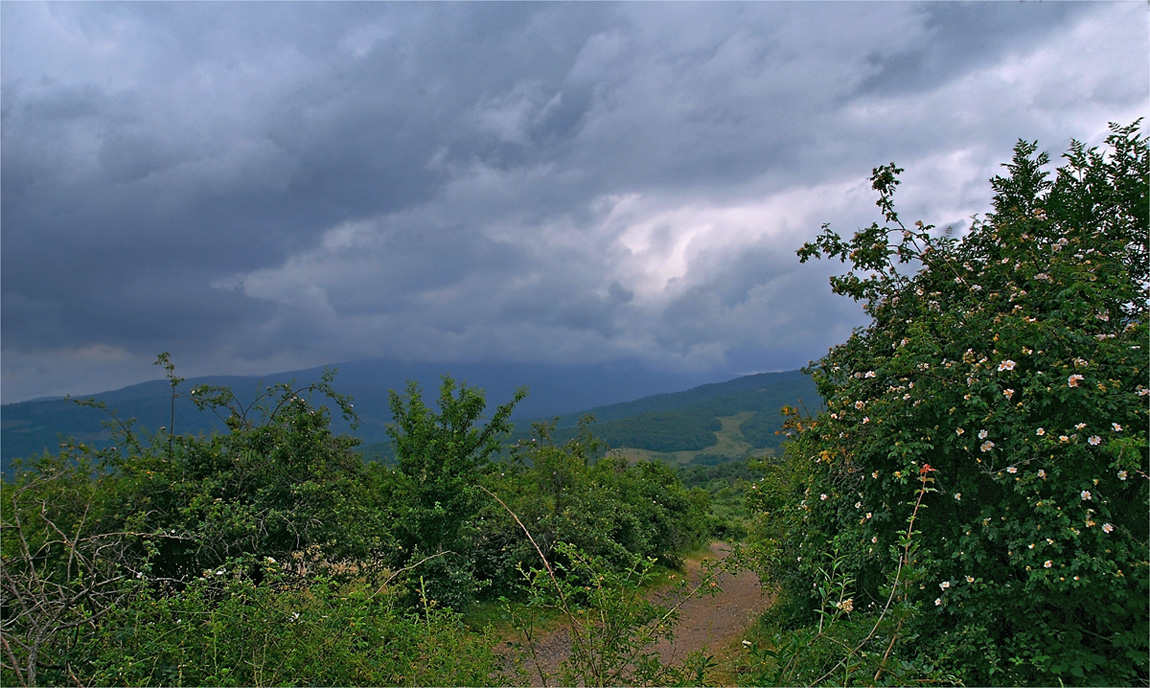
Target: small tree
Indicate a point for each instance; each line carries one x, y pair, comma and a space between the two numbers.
441, 456
1010, 366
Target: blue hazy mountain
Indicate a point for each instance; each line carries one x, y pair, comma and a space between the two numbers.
32, 427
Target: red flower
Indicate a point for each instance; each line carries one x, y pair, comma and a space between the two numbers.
926, 469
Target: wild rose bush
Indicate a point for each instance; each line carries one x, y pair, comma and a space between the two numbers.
1009, 365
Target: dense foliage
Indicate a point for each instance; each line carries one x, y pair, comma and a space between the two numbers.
274, 554
226, 630
441, 458
611, 509
999, 399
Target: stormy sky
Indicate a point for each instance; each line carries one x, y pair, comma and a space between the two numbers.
257, 187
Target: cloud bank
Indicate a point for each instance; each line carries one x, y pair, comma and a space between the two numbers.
257, 187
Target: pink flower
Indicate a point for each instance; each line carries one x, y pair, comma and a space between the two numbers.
1006, 365
1107, 528
1073, 380
1095, 440
987, 446
1086, 495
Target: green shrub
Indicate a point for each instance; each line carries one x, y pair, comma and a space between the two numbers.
1008, 366
441, 457
225, 630
610, 509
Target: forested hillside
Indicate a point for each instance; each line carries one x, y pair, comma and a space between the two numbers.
687, 421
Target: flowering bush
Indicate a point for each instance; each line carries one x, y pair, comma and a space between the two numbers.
1010, 364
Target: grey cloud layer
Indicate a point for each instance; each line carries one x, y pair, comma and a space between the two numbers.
255, 185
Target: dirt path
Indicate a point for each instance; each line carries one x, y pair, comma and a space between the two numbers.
705, 622
711, 623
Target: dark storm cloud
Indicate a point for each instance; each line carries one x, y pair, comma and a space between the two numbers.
257, 186
962, 36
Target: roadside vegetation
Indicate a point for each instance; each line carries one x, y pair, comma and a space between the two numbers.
971, 507
274, 554
968, 507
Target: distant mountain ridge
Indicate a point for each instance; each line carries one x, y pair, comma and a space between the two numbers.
633, 406
716, 393
729, 418
29, 428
